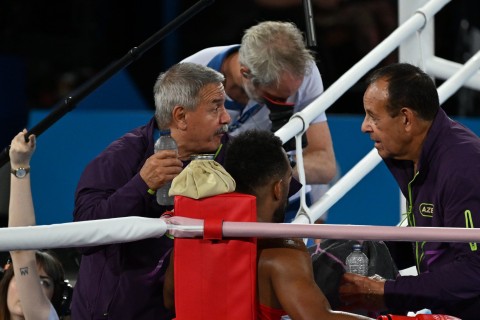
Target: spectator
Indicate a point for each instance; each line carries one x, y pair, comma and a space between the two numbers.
32, 286
436, 162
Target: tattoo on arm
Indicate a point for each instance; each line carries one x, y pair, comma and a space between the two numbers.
24, 271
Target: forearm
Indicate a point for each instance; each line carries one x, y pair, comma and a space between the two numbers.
21, 212
451, 283
320, 167
318, 157
93, 203
132, 199
35, 304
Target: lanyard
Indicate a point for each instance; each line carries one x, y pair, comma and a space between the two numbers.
244, 117
216, 64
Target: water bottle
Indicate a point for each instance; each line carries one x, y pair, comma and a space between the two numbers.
357, 261
165, 142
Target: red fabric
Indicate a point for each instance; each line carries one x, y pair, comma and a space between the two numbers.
212, 229
268, 313
418, 317
216, 279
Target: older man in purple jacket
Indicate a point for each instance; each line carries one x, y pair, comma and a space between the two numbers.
125, 281
436, 162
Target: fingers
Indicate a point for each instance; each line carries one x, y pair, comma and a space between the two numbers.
162, 167
19, 139
357, 291
21, 151
32, 140
350, 290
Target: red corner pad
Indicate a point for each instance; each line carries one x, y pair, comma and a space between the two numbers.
212, 229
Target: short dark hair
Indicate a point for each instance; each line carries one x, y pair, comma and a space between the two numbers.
408, 86
253, 158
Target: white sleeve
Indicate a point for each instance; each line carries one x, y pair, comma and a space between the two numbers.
53, 314
310, 89
204, 56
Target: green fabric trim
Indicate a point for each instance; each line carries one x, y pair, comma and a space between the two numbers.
218, 151
411, 222
469, 224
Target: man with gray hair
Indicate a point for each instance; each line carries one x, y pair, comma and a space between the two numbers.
268, 77
125, 281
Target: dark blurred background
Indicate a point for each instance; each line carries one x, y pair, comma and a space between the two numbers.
50, 47
59, 44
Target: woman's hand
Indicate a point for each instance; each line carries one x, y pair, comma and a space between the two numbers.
21, 151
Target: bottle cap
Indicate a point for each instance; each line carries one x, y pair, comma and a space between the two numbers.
202, 156
357, 246
165, 132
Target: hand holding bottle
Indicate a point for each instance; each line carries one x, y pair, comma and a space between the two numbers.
165, 142
362, 293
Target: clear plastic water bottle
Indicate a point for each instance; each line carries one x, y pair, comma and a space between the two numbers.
165, 142
357, 261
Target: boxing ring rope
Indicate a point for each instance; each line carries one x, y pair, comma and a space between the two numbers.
299, 121
81, 234
443, 69
117, 230
368, 163
469, 70
349, 78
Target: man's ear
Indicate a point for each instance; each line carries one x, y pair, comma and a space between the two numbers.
245, 72
277, 189
179, 118
408, 117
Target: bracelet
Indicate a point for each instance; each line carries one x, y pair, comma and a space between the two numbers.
151, 192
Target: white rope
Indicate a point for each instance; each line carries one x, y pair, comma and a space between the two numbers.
81, 234
118, 230
349, 78
339, 87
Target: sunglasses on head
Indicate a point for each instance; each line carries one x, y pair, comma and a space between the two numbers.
279, 105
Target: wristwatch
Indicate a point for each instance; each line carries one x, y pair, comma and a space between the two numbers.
20, 173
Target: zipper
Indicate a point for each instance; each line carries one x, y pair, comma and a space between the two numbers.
411, 222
